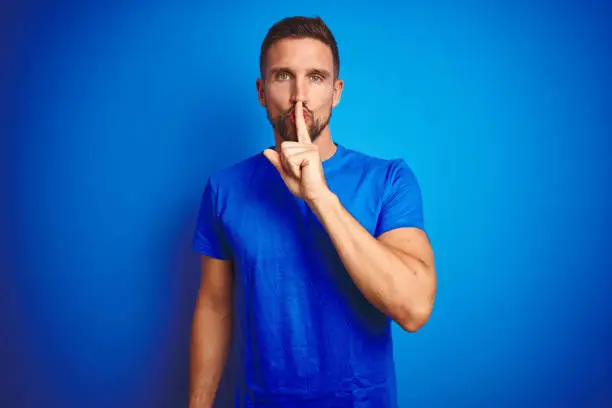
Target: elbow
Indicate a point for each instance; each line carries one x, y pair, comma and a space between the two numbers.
414, 322
415, 310
413, 317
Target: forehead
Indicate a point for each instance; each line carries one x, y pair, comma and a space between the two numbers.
300, 53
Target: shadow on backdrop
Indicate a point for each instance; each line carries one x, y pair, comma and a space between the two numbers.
226, 141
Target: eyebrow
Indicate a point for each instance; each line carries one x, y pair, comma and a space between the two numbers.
322, 72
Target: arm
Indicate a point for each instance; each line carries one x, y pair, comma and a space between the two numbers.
211, 331
394, 272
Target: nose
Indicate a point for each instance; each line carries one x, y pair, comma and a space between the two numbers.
299, 91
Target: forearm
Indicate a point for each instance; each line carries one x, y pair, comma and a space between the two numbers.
394, 282
210, 344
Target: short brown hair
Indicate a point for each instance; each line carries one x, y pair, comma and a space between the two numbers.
300, 27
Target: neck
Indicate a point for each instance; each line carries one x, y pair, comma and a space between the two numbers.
324, 143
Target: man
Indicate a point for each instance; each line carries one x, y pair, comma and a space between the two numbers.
309, 250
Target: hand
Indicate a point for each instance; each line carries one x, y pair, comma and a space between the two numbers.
299, 163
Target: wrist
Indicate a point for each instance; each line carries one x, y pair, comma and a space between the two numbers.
323, 203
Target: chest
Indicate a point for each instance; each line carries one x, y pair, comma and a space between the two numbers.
271, 223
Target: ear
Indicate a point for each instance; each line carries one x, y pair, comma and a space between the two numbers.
338, 87
259, 84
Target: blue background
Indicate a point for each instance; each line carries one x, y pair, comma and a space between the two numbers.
114, 114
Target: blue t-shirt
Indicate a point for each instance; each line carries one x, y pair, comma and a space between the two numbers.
305, 336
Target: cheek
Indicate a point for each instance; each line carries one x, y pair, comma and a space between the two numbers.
321, 99
277, 94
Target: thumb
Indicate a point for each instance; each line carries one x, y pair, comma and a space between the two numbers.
274, 158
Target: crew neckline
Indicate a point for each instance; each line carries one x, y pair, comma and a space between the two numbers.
334, 158
328, 163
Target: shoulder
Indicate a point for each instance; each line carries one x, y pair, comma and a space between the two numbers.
237, 174
391, 170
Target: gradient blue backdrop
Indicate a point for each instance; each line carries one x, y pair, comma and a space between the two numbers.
114, 113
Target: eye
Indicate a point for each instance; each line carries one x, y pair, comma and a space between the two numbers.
316, 78
281, 76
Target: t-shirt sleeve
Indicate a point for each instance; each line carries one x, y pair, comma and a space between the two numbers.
209, 238
402, 205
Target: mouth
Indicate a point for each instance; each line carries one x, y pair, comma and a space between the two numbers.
291, 116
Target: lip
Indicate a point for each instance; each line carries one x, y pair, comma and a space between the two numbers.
291, 116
